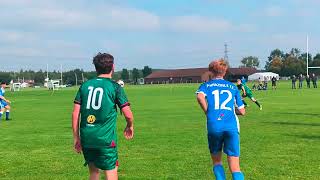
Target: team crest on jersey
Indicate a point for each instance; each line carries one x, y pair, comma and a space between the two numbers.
91, 119
220, 117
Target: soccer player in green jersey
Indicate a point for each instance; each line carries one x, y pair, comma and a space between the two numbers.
95, 134
246, 92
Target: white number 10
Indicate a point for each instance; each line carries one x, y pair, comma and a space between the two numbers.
93, 96
217, 99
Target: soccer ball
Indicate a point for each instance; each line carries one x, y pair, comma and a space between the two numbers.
121, 83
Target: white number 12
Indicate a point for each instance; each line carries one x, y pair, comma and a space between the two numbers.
217, 99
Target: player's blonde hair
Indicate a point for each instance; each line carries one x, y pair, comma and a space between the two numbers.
218, 67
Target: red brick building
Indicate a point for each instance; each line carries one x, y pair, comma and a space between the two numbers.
194, 75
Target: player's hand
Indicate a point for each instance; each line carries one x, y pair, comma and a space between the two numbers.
8, 101
77, 145
128, 132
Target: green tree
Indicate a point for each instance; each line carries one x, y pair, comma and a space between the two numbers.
39, 78
292, 66
135, 75
146, 71
274, 53
276, 65
315, 63
250, 61
125, 74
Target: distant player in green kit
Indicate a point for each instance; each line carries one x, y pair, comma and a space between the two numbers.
96, 133
246, 92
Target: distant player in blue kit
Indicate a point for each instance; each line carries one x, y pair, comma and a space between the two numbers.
220, 100
4, 103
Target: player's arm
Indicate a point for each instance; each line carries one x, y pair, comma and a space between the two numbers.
202, 102
128, 131
239, 109
124, 105
75, 127
243, 90
4, 99
75, 122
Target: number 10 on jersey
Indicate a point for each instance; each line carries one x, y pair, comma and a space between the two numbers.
92, 98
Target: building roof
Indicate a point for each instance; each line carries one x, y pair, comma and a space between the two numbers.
242, 71
174, 73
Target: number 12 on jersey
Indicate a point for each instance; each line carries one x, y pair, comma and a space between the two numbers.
92, 98
217, 94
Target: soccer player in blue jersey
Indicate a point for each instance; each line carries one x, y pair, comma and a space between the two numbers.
4, 103
220, 100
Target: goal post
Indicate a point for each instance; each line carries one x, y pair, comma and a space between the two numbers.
309, 67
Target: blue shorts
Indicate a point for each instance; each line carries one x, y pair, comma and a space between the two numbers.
229, 140
3, 104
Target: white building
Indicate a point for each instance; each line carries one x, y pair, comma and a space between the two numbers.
263, 76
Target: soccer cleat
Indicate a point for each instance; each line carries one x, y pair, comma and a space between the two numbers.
260, 107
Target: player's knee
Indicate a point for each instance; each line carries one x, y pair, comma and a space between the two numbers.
8, 107
93, 169
234, 164
216, 159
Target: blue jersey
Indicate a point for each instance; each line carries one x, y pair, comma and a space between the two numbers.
2, 102
221, 96
2, 91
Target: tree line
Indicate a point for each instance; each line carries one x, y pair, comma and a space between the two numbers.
283, 63
73, 77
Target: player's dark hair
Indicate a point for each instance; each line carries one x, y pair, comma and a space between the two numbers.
3, 83
103, 63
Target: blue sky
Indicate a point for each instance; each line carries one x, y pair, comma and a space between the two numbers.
158, 33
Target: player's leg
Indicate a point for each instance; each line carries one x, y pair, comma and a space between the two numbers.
111, 174
1, 112
93, 172
232, 149
215, 141
255, 101
234, 166
7, 112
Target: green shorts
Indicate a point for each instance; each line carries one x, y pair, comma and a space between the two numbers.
103, 158
249, 95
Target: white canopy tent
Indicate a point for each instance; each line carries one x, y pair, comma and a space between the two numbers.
263, 76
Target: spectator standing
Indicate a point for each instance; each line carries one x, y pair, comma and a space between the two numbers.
300, 81
293, 80
274, 82
308, 80
314, 81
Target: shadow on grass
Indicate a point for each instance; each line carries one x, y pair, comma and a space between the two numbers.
305, 136
293, 123
301, 113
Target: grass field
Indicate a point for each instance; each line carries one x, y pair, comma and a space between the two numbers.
280, 142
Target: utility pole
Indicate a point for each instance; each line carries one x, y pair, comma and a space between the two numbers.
61, 73
226, 58
307, 55
75, 74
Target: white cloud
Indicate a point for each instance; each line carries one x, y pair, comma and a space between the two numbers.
199, 24
274, 11
54, 16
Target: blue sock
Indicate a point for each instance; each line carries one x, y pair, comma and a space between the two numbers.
237, 176
219, 172
1, 114
7, 115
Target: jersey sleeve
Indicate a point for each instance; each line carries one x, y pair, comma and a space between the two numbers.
238, 100
202, 90
121, 98
77, 99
